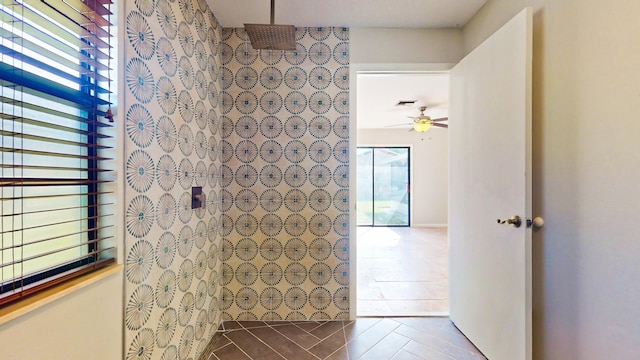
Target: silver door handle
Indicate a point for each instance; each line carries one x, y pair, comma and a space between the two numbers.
516, 221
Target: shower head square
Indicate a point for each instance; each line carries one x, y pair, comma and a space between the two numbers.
271, 37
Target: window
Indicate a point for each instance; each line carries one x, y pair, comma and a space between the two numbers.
55, 141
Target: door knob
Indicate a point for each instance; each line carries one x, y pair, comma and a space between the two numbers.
536, 223
516, 221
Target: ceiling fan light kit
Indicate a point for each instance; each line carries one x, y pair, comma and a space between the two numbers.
422, 126
423, 122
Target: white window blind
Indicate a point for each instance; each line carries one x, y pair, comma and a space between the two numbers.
55, 136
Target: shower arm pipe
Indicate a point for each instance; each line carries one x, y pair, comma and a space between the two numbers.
273, 11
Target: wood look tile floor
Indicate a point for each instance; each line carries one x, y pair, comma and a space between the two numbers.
433, 338
402, 271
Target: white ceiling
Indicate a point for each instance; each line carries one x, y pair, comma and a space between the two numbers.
348, 13
378, 95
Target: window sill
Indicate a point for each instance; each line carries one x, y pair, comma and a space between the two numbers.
29, 304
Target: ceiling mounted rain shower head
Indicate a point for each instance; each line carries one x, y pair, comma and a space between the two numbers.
271, 36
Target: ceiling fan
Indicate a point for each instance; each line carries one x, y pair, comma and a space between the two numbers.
423, 123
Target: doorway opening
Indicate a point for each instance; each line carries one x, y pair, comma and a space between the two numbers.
402, 195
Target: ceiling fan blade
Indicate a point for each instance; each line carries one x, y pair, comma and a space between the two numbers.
440, 125
404, 124
440, 119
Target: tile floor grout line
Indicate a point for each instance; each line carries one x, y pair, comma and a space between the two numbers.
250, 333
448, 343
248, 330
430, 347
276, 351
222, 347
372, 325
344, 336
293, 341
344, 333
319, 324
440, 339
403, 346
244, 352
384, 337
340, 348
280, 323
237, 347
254, 327
307, 331
377, 342
331, 334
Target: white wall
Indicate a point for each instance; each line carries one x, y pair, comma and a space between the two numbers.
429, 169
86, 324
586, 107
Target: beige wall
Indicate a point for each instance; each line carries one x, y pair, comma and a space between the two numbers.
405, 46
429, 170
86, 324
586, 106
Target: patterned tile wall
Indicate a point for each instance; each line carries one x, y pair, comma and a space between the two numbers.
284, 177
172, 129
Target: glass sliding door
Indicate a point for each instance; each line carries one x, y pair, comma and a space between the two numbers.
364, 205
391, 183
383, 186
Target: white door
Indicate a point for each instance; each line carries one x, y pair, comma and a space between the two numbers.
490, 178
